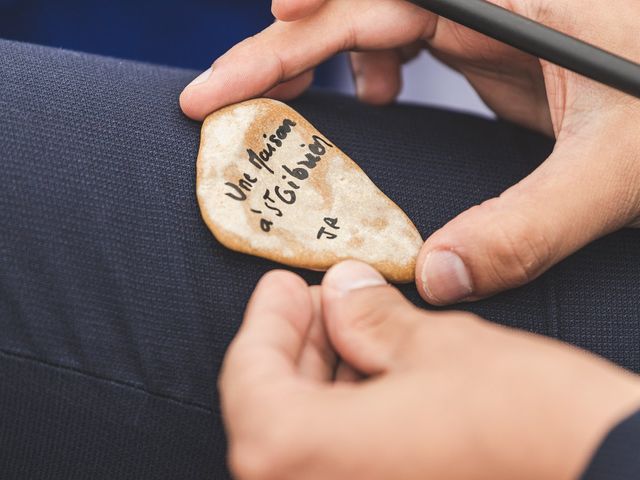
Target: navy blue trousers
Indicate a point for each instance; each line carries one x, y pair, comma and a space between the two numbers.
117, 304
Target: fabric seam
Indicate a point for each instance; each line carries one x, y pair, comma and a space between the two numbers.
119, 383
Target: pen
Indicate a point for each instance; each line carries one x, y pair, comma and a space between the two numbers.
541, 41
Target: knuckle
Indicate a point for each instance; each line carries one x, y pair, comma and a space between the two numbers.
369, 310
278, 8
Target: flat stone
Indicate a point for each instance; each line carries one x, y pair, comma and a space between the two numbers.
269, 184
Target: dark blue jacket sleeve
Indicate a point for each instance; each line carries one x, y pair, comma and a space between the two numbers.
618, 458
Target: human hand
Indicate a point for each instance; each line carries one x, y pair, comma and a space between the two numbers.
437, 395
589, 186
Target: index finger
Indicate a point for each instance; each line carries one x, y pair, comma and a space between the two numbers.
268, 345
286, 49
290, 10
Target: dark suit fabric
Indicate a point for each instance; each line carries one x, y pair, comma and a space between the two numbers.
117, 304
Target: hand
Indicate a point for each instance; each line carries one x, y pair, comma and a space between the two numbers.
416, 395
588, 187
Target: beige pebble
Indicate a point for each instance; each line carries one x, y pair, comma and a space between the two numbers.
269, 184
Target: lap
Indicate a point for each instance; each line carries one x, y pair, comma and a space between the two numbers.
108, 274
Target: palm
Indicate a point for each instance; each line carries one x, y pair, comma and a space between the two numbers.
509, 81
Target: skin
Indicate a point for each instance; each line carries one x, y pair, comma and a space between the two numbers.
415, 395
348, 380
587, 188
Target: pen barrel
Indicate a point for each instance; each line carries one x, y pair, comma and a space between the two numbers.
541, 41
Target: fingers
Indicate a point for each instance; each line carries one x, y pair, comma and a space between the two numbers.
345, 373
286, 50
508, 241
290, 10
275, 423
266, 350
280, 53
292, 88
377, 76
367, 320
317, 360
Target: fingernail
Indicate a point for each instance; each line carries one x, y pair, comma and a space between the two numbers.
203, 77
445, 277
353, 275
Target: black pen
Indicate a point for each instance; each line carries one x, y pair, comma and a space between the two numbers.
541, 41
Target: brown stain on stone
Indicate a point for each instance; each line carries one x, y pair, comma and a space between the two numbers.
270, 116
268, 120
356, 241
318, 180
378, 223
410, 233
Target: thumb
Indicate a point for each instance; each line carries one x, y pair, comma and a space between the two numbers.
368, 321
508, 241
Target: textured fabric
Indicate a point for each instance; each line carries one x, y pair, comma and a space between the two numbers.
113, 293
56, 423
619, 455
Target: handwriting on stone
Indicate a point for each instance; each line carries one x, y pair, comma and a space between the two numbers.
270, 184
293, 176
332, 223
